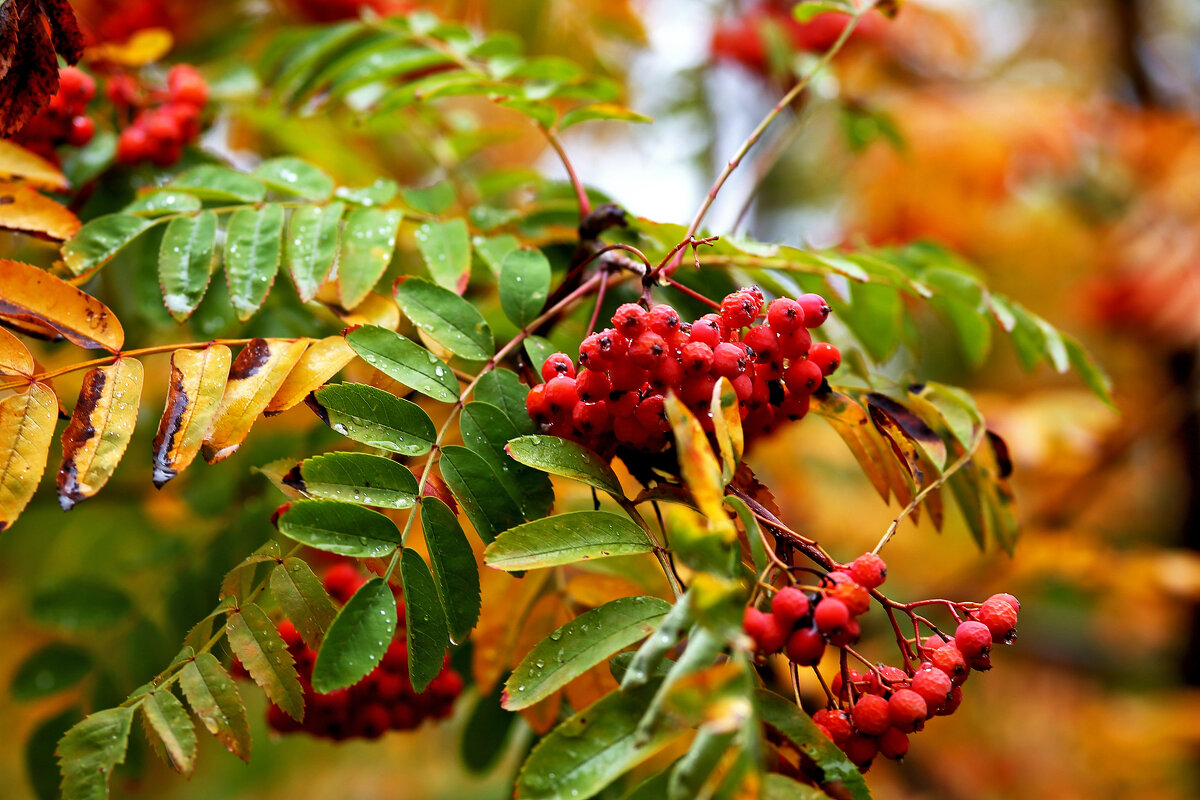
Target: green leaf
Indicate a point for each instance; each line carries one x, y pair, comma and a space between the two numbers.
185, 262
593, 748
567, 539
406, 361
588, 640
253, 245
874, 314
477, 488
311, 245
308, 53
341, 528
368, 241
262, 651
446, 318
88, 752
376, 63
359, 478
425, 618
559, 456
296, 177
524, 285
538, 349
378, 193
494, 249
758, 550
161, 203
303, 600
80, 603
446, 249
374, 417
605, 111
650, 657
50, 669
1095, 378
781, 787
486, 431
214, 698
540, 111
219, 184
40, 766
453, 566
170, 723
798, 727
504, 390
359, 636
806, 11
485, 733
690, 773
101, 239
432, 199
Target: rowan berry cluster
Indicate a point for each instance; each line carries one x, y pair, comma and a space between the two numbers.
161, 121
384, 700
872, 712
65, 119
617, 395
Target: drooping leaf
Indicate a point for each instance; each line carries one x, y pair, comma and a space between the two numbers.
168, 721
194, 392
727, 428
359, 636
407, 362
262, 651
504, 390
95, 440
15, 358
758, 550
341, 528
311, 245
581, 644
698, 465
478, 490
50, 669
486, 431
690, 773
781, 787
593, 748
303, 599
425, 619
294, 176
254, 378
41, 766
89, 751
26, 429
524, 285
219, 184
359, 478
559, 456
851, 422
368, 241
28, 291
185, 262
453, 566
566, 539
649, 659
253, 248
17, 162
214, 698
446, 249
80, 603
322, 360
374, 417
800, 730
24, 209
446, 318
485, 733
98, 241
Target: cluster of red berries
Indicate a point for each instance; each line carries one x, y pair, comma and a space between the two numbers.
162, 121
64, 120
384, 700
878, 708
617, 395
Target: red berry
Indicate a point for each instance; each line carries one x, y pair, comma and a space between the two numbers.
707, 330
647, 350
949, 659
591, 418
624, 405
1000, 617
805, 647
535, 404
825, 356
891, 675
82, 131
870, 715
187, 86
816, 310
785, 315
122, 90
663, 320
861, 750
789, 604
558, 364
981, 662
625, 376
775, 635
933, 685
754, 623
372, 721
76, 86
1005, 596
698, 390
953, 703
907, 710
893, 744
795, 345
837, 722
133, 145
696, 358
795, 406
972, 638
831, 615
652, 415
743, 386
729, 360
803, 377
856, 598
630, 320
561, 395
738, 310
868, 570
763, 341
592, 385
667, 375
628, 430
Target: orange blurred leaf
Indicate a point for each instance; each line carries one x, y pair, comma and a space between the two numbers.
17, 162
23, 209
26, 291
143, 47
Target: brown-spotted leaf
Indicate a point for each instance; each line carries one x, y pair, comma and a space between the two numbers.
912, 440
15, 358
17, 162
321, 361
851, 423
257, 643
26, 291
24, 209
64, 30
196, 386
26, 430
99, 431
256, 375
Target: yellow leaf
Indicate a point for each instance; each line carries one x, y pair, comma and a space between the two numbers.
24, 209
15, 358
850, 422
99, 431
698, 466
256, 375
142, 48
26, 291
375, 309
197, 383
727, 426
593, 589
26, 429
17, 162
320, 362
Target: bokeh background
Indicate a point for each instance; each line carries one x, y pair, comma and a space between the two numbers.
1053, 143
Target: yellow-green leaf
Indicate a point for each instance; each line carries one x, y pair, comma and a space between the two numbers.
100, 429
255, 640
26, 429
